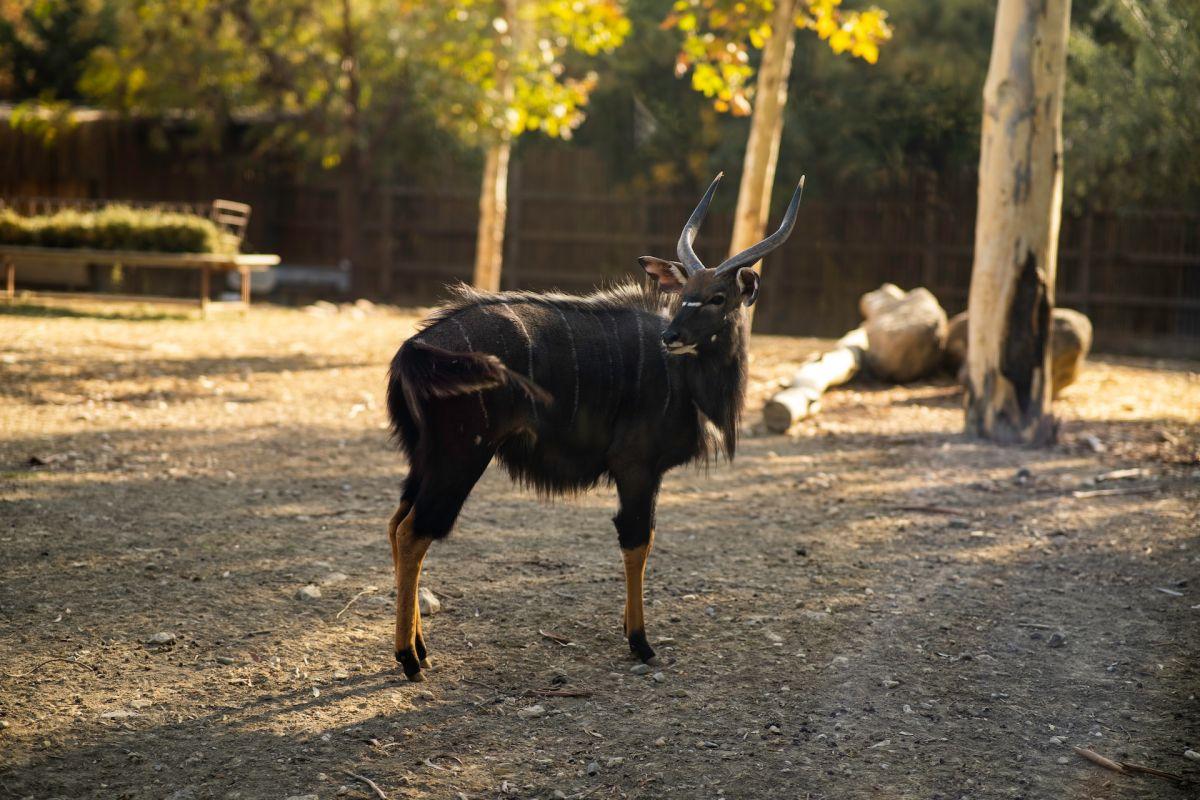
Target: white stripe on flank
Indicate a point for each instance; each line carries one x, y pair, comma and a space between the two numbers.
637, 385
607, 354
482, 406
528, 348
662, 352
574, 360
620, 356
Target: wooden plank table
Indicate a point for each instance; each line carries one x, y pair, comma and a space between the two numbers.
207, 263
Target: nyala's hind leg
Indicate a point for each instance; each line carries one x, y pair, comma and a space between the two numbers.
409, 552
437, 498
402, 511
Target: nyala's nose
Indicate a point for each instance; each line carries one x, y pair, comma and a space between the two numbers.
670, 337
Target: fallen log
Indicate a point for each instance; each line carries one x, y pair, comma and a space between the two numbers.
802, 398
900, 340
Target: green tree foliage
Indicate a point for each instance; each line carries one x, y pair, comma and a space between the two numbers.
327, 79
916, 111
718, 36
44, 45
1132, 116
504, 67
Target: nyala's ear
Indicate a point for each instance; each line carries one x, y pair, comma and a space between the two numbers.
747, 280
669, 274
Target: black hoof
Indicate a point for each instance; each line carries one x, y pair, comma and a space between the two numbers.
410, 664
422, 653
641, 648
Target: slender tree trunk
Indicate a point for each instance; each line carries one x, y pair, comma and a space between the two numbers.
353, 169
493, 210
493, 193
1016, 230
766, 129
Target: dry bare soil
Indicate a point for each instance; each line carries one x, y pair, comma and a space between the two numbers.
872, 606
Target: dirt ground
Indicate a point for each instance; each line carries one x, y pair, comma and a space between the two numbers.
872, 606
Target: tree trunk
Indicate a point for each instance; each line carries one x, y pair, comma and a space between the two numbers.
766, 129
493, 193
1016, 229
493, 209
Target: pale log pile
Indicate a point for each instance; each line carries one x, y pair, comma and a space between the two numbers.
906, 336
901, 339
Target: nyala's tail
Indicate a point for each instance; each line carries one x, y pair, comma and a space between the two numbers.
421, 372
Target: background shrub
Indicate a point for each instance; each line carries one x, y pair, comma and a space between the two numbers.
117, 228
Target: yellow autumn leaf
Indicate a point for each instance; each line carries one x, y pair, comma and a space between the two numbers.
840, 41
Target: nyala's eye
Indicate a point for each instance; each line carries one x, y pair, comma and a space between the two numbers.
717, 300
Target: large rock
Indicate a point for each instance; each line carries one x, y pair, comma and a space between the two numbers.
906, 332
1070, 343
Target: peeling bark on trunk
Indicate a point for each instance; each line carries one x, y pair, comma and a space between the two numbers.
493, 210
1016, 230
766, 129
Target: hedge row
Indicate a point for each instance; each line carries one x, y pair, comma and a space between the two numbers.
118, 228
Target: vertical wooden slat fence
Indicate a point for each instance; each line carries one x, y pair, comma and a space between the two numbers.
1135, 272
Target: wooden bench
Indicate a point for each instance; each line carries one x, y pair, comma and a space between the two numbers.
231, 216
207, 263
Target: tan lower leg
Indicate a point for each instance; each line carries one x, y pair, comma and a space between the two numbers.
635, 572
394, 524
410, 552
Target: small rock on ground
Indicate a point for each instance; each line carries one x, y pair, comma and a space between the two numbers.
309, 592
160, 638
428, 602
531, 712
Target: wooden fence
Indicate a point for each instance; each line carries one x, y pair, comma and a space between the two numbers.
1135, 272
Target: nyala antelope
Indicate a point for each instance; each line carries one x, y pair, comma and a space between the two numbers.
567, 391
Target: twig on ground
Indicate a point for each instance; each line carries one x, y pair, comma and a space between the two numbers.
1096, 758
354, 600
1083, 495
1040, 626
1122, 474
557, 693
957, 512
429, 763
1152, 771
374, 786
557, 638
38, 666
